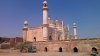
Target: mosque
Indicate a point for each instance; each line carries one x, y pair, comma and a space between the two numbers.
53, 35
49, 30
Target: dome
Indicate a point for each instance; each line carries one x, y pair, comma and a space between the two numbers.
74, 23
56, 20
25, 22
45, 2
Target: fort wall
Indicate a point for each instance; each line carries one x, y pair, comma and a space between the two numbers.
83, 45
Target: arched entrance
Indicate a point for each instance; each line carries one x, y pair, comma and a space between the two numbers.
94, 50
75, 49
60, 49
58, 37
46, 49
34, 38
50, 38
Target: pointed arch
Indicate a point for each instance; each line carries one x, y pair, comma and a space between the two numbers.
60, 49
75, 49
34, 38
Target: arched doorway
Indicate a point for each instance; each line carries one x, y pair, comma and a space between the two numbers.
75, 49
58, 37
34, 38
46, 49
94, 50
60, 49
50, 38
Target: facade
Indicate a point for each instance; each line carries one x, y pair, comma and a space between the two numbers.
49, 30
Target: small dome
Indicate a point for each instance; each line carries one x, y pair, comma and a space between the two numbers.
25, 22
45, 2
56, 20
74, 23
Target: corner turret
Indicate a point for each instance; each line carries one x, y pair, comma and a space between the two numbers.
75, 30
25, 29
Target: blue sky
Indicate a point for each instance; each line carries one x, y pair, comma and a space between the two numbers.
86, 13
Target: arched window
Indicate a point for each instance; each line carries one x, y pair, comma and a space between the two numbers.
58, 37
46, 49
60, 49
50, 38
34, 38
75, 49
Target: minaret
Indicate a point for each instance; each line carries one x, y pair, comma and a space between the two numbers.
63, 34
25, 31
45, 21
68, 32
75, 30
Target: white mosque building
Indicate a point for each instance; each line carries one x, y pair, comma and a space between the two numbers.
50, 30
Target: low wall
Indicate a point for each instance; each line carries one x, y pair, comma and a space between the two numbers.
83, 45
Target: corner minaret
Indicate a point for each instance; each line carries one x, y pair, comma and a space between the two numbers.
45, 21
75, 30
25, 31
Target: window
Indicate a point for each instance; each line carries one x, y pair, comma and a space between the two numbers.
60, 49
50, 38
34, 38
46, 49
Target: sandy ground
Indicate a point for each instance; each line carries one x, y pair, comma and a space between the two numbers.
43, 54
16, 53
